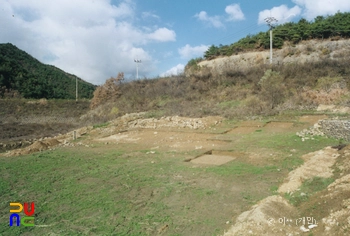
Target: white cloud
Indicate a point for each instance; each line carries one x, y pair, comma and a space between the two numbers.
149, 15
176, 70
282, 13
313, 8
235, 13
163, 35
188, 52
92, 39
213, 21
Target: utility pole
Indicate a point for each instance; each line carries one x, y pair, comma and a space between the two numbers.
137, 67
270, 21
76, 88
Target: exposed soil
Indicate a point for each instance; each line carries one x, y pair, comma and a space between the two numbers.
215, 158
301, 54
252, 123
312, 118
278, 126
317, 164
166, 133
243, 130
212, 160
37, 146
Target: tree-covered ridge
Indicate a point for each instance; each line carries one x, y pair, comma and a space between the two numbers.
337, 25
23, 74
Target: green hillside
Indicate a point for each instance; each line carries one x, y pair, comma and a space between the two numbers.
23, 74
335, 26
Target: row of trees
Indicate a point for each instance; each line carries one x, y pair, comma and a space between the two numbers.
337, 25
25, 76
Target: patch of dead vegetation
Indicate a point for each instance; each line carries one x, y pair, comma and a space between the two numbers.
317, 97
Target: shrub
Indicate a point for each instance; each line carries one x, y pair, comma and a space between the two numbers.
325, 51
108, 91
254, 106
194, 63
114, 111
326, 83
272, 88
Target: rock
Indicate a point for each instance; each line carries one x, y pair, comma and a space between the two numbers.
339, 129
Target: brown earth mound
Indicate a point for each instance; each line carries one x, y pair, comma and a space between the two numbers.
37, 146
264, 218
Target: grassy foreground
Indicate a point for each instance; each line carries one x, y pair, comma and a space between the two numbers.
126, 189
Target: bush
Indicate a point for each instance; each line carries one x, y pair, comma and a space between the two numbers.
107, 92
326, 83
273, 90
194, 63
254, 105
114, 111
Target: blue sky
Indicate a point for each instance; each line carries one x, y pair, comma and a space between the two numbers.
96, 39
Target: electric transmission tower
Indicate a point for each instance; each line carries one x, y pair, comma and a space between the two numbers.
137, 67
270, 22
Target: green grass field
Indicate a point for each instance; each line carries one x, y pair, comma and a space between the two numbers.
126, 190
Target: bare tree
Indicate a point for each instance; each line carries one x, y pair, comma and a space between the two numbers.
109, 91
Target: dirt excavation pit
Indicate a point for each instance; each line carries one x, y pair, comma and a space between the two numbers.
243, 130
312, 119
278, 126
214, 158
252, 123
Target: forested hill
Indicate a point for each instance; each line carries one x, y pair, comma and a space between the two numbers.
22, 74
335, 26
